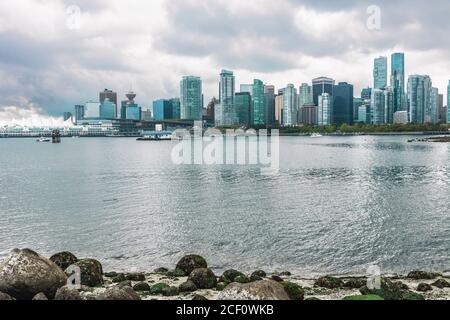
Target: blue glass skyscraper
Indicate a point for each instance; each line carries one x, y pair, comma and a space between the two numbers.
343, 104
398, 81
380, 73
191, 98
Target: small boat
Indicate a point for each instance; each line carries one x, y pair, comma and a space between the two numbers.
316, 135
155, 138
42, 139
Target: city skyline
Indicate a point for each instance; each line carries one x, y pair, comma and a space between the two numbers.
50, 63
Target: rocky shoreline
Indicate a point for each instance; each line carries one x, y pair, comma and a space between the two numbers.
26, 275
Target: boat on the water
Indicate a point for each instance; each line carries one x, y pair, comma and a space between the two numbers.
316, 135
155, 138
43, 139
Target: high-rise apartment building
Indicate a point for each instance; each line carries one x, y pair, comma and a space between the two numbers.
380, 71
191, 98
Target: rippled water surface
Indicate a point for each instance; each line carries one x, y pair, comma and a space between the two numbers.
338, 205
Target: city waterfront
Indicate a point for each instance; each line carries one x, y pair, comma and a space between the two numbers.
337, 206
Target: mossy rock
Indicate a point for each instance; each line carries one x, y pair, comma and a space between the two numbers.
157, 289
64, 259
355, 283
294, 291
176, 273
231, 275
221, 286
441, 284
187, 286
203, 278
424, 287
368, 297
170, 291
423, 275
141, 286
190, 263
329, 282
161, 270
259, 273
390, 290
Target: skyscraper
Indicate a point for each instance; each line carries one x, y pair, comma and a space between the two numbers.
308, 114
175, 108
448, 102
322, 85
191, 99
377, 107
108, 109
357, 102
92, 110
129, 109
305, 95
419, 98
398, 80
259, 107
388, 105
109, 94
243, 102
162, 110
246, 88
380, 72
279, 109
342, 104
432, 113
269, 97
79, 112
290, 108
325, 109
366, 94
226, 98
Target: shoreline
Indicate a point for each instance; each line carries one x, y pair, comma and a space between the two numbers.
191, 279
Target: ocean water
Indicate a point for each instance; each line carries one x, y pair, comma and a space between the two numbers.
337, 206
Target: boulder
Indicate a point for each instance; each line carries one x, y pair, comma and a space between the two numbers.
369, 297
329, 282
120, 277
161, 270
259, 273
441, 284
157, 289
119, 294
64, 259
260, 290
203, 278
390, 290
230, 276
355, 283
424, 287
40, 297
198, 297
137, 276
24, 273
191, 262
126, 283
294, 291
221, 286
141, 286
423, 275
188, 286
5, 297
175, 273
91, 272
277, 278
170, 291
67, 294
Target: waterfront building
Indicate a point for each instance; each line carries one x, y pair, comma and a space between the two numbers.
259, 106
79, 112
290, 108
342, 104
309, 114
322, 85
305, 95
92, 110
176, 108
380, 71
108, 109
325, 109
133, 112
130, 110
401, 117
162, 110
269, 100
388, 105
377, 107
228, 115
357, 102
210, 109
191, 98
243, 102
364, 115
279, 109
67, 116
432, 114
419, 98
111, 95
448, 102
398, 81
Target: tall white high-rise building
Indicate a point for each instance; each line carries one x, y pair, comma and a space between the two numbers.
227, 115
325, 109
290, 108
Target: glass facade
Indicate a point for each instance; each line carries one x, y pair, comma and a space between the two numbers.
228, 115
377, 107
432, 114
305, 95
398, 80
343, 104
357, 102
322, 85
380, 72
243, 101
162, 110
448, 102
290, 108
108, 109
419, 98
175, 108
325, 109
92, 110
269, 93
259, 106
388, 105
133, 112
191, 98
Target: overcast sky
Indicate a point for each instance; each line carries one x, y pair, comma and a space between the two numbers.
50, 60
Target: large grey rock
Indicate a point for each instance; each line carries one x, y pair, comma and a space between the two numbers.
260, 290
91, 272
67, 294
190, 263
24, 273
116, 293
64, 259
5, 297
203, 278
40, 297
